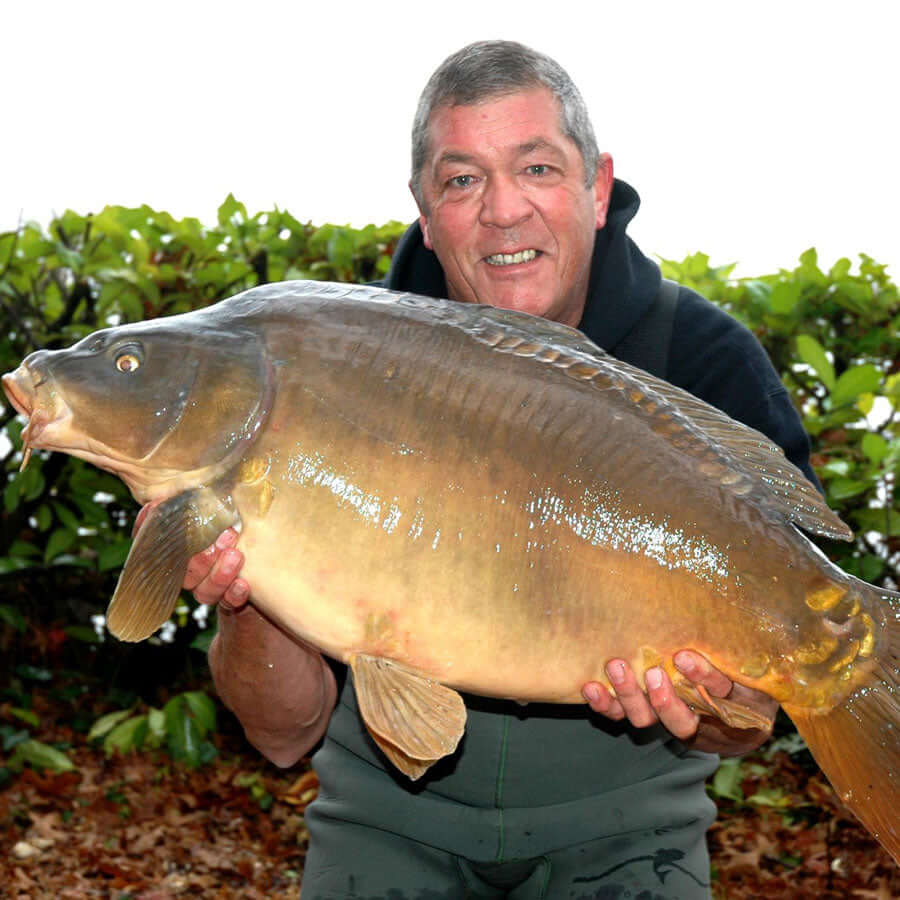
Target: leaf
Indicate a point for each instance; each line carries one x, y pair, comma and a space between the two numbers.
11, 495
858, 380
784, 297
82, 633
865, 403
813, 354
32, 483
842, 488
156, 728
40, 756
128, 735
836, 467
59, 541
106, 723
231, 210
113, 556
727, 780
66, 516
841, 269
771, 797
204, 710
26, 715
340, 248
181, 732
13, 564
23, 548
871, 567
874, 446
882, 521
44, 517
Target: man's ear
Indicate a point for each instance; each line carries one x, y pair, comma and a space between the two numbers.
603, 186
423, 219
423, 224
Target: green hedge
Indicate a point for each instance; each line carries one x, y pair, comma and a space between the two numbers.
832, 335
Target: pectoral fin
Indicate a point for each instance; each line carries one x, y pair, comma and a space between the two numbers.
172, 533
414, 720
735, 715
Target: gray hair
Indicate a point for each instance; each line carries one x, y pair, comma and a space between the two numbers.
489, 69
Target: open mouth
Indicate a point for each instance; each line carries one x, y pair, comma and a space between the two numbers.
21, 389
512, 259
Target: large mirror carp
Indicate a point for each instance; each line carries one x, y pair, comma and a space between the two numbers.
454, 497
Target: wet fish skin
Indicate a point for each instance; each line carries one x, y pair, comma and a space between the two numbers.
458, 486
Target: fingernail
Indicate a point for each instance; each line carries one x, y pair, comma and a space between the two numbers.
226, 539
591, 694
653, 677
616, 672
239, 590
685, 662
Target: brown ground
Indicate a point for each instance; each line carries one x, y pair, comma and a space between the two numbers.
143, 828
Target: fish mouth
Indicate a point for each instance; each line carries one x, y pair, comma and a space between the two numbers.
21, 389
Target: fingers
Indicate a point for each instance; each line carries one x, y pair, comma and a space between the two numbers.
213, 574
659, 704
602, 701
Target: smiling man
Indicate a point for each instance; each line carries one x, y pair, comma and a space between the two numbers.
507, 206
518, 209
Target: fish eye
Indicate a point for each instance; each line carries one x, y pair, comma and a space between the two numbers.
127, 362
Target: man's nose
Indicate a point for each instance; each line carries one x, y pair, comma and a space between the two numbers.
504, 203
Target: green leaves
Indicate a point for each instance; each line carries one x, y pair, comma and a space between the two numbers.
188, 718
39, 756
855, 381
814, 355
835, 339
182, 726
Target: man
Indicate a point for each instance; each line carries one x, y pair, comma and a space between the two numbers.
518, 209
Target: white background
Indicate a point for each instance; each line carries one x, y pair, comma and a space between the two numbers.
751, 130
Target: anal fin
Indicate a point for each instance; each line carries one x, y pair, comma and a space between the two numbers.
414, 720
151, 581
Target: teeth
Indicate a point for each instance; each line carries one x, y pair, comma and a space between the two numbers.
510, 259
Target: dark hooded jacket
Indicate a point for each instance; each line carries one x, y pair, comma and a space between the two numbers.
528, 780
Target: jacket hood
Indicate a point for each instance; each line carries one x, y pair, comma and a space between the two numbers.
623, 282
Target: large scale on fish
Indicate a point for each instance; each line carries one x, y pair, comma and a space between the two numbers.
453, 497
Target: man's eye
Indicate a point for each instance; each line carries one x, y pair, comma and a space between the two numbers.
461, 181
538, 169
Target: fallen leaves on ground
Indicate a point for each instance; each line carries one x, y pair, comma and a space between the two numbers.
140, 827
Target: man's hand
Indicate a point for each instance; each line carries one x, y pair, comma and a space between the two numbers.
662, 704
280, 688
213, 574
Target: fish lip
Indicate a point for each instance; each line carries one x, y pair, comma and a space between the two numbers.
18, 395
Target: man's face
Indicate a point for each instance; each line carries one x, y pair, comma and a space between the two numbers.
506, 209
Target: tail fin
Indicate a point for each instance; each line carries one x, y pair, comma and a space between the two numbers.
857, 744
